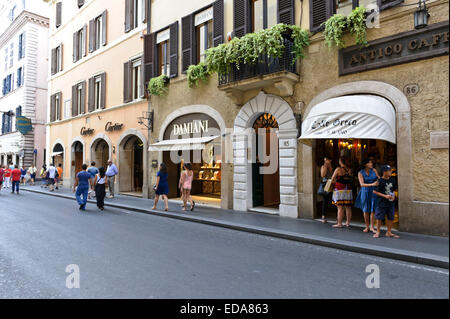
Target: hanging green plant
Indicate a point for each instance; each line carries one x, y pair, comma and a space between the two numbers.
337, 24
334, 28
198, 72
249, 48
157, 85
357, 25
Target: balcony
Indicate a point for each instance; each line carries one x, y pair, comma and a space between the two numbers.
278, 74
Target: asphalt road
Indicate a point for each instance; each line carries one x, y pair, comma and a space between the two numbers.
123, 254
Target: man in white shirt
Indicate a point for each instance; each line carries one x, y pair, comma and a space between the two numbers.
52, 176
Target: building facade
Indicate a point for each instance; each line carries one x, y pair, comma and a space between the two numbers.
96, 95
23, 71
399, 81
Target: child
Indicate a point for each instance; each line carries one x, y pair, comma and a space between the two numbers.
386, 206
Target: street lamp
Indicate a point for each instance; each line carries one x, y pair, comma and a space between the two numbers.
421, 15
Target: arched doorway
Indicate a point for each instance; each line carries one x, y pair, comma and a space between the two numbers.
131, 165
77, 157
267, 111
266, 186
100, 153
58, 155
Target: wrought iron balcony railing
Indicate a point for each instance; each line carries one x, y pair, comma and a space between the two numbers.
265, 65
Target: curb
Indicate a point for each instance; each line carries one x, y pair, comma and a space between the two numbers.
391, 253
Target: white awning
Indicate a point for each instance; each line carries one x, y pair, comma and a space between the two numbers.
56, 154
353, 116
197, 143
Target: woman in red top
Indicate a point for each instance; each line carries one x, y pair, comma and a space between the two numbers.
342, 194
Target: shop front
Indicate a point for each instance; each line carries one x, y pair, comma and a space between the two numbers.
194, 138
354, 127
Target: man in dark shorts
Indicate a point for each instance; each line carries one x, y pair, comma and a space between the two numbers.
386, 201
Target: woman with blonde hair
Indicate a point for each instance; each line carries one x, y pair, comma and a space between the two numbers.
185, 185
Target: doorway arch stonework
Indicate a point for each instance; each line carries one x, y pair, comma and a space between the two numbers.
411, 218
97, 138
287, 136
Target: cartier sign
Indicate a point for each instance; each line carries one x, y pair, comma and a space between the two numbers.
110, 127
400, 48
86, 131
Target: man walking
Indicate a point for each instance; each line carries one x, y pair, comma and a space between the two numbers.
60, 174
81, 187
32, 171
52, 176
111, 173
7, 177
15, 176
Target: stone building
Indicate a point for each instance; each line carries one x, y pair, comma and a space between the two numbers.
399, 81
23, 52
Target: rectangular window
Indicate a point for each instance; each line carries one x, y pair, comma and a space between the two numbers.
257, 15
81, 44
272, 18
57, 107
58, 56
164, 58
6, 59
11, 55
136, 13
136, 84
345, 7
20, 77
263, 14
98, 32
80, 99
98, 92
205, 39
21, 46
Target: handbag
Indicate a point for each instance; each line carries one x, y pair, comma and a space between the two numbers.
321, 190
328, 186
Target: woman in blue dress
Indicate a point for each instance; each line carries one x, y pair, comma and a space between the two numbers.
162, 186
367, 200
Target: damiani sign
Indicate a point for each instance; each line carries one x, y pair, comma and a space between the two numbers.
401, 48
190, 128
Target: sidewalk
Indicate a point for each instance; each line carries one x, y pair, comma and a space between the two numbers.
416, 248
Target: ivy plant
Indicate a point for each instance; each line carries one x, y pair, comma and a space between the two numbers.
338, 24
157, 85
198, 72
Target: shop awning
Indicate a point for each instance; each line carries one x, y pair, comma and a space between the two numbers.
56, 154
197, 143
353, 116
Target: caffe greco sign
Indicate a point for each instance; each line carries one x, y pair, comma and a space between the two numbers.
401, 48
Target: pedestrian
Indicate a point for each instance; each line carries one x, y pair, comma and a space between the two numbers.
43, 176
15, 177
7, 178
11, 166
377, 167
342, 193
59, 169
99, 183
111, 173
81, 186
52, 175
2, 172
386, 201
32, 171
162, 186
366, 199
23, 173
326, 172
185, 185
93, 171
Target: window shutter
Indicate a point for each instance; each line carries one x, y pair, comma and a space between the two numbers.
104, 27
103, 90
319, 12
53, 62
58, 13
241, 17
19, 111
385, 4
53, 108
75, 47
173, 49
60, 58
20, 48
83, 49
148, 58
83, 97
80, 3
218, 22
74, 101
128, 15
91, 95
92, 35
126, 82
286, 11
23, 45
3, 122
187, 41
